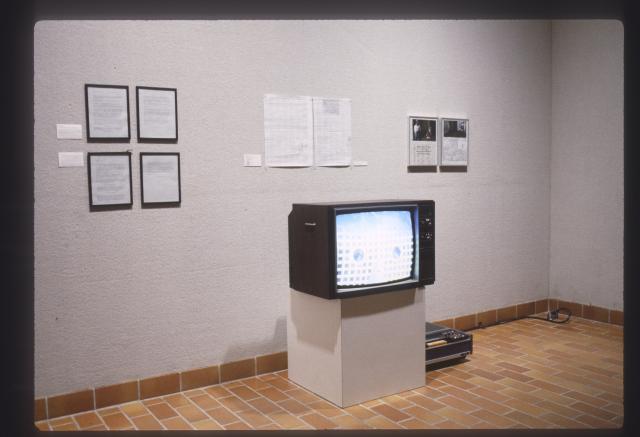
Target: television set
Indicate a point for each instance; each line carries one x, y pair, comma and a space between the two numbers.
347, 249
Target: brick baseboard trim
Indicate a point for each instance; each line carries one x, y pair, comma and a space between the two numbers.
518, 311
50, 407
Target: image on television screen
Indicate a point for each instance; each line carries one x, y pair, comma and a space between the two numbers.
373, 247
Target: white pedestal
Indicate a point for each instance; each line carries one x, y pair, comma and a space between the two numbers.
353, 350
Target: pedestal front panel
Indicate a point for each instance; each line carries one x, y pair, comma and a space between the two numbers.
353, 350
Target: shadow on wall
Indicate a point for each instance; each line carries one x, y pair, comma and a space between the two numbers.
277, 343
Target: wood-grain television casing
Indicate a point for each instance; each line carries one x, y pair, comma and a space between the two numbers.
347, 249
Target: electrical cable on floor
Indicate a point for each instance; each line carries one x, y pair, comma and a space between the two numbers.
552, 316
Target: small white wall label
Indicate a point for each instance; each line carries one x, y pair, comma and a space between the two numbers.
70, 159
69, 131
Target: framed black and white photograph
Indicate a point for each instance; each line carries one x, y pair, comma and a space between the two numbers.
455, 142
157, 111
423, 141
107, 113
160, 178
109, 179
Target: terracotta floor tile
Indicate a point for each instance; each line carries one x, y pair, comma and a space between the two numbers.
429, 392
487, 375
318, 422
458, 416
97, 428
146, 422
87, 420
176, 400
162, 411
593, 411
390, 412
205, 401
562, 421
426, 402
117, 421
264, 405
371, 403
512, 367
396, 401
244, 392
302, 395
360, 412
498, 420
222, 415
615, 408
269, 426
595, 422
234, 404
106, 411
527, 420
531, 397
293, 406
206, 425
194, 392
548, 386
325, 408
415, 424
69, 426
381, 422
134, 409
525, 407
489, 394
237, 426
559, 409
253, 418
423, 414
191, 413
458, 404
273, 394
591, 400
43, 425
486, 384
286, 420
282, 384
61, 421
217, 391
448, 424
255, 383
152, 401
176, 423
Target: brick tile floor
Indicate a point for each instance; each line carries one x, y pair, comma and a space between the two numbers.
522, 374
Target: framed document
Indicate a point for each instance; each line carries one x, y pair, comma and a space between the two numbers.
157, 111
455, 142
109, 179
107, 110
160, 178
423, 141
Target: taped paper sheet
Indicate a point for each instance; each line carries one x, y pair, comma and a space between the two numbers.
288, 131
332, 131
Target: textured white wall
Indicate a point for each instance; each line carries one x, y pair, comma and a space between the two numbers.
587, 202
128, 294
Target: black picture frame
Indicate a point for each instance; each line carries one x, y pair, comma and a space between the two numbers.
105, 139
147, 139
116, 205
161, 203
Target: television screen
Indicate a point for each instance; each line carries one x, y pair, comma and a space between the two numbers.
373, 247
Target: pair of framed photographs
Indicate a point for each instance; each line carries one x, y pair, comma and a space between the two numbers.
438, 141
110, 179
107, 113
